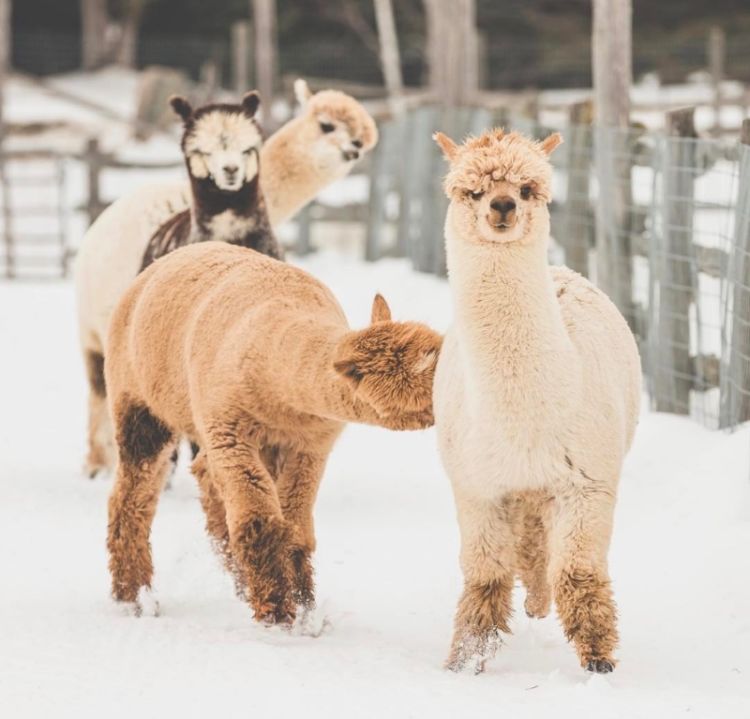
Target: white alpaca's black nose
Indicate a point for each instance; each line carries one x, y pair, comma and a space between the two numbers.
231, 170
503, 205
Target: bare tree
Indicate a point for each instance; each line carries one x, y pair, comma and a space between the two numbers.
452, 49
390, 58
94, 20
264, 17
127, 51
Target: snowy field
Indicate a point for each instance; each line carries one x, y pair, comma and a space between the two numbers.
387, 567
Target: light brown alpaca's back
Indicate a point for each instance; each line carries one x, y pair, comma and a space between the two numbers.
253, 360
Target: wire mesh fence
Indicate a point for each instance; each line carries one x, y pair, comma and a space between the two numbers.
661, 222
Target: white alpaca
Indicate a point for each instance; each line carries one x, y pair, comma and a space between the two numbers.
301, 158
536, 402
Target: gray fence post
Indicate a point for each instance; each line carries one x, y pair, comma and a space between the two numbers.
578, 217
673, 374
735, 381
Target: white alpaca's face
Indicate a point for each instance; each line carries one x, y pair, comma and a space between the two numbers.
335, 143
499, 185
224, 146
502, 212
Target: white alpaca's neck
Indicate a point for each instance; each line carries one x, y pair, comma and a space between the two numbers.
292, 176
516, 350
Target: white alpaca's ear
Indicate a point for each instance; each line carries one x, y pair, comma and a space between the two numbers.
548, 145
381, 312
301, 92
182, 107
448, 146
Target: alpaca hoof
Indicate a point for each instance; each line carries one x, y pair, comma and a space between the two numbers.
537, 607
600, 666
472, 652
272, 619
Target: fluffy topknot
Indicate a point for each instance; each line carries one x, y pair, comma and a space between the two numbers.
498, 155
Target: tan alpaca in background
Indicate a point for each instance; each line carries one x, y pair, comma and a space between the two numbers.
253, 360
304, 156
536, 401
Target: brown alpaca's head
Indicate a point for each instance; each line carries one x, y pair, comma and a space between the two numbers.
391, 367
221, 142
339, 131
499, 185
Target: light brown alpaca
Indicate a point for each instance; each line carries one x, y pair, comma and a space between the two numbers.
253, 360
536, 402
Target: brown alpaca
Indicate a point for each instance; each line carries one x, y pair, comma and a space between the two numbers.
253, 360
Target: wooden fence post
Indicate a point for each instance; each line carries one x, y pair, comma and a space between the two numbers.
264, 22
717, 48
673, 374
735, 380
94, 164
578, 214
390, 58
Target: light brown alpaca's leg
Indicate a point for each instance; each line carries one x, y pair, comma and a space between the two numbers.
216, 520
530, 527
484, 609
580, 538
144, 445
261, 541
100, 445
298, 482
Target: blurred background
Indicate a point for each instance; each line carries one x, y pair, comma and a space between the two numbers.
652, 186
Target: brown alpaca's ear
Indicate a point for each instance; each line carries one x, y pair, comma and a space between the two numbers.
448, 146
381, 312
301, 92
548, 145
250, 103
427, 360
182, 107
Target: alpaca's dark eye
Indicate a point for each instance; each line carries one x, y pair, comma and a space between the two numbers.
357, 143
526, 192
327, 127
476, 195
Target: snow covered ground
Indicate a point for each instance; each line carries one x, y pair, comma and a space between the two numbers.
387, 568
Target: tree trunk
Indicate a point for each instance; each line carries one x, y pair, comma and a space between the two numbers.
127, 53
4, 53
390, 59
264, 22
93, 30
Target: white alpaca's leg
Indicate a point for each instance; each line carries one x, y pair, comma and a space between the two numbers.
484, 608
101, 451
581, 533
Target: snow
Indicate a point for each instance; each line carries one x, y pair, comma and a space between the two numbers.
387, 567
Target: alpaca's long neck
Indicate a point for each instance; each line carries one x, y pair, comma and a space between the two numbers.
511, 332
208, 201
292, 176
239, 217
306, 350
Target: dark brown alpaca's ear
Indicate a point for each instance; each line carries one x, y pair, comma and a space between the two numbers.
448, 146
381, 312
548, 145
251, 103
182, 107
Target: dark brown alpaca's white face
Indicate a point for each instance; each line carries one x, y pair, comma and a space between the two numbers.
224, 147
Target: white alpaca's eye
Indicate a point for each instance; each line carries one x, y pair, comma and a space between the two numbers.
476, 195
327, 127
526, 192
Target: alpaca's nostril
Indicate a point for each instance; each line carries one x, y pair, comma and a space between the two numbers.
503, 204
231, 170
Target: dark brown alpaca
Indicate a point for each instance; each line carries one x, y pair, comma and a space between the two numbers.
221, 144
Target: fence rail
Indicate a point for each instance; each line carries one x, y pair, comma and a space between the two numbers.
675, 253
